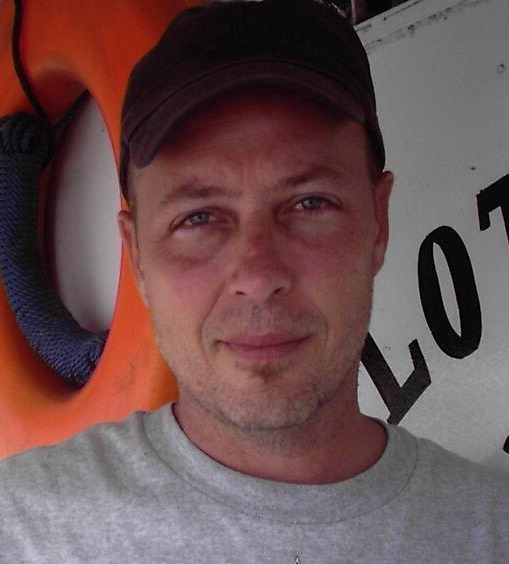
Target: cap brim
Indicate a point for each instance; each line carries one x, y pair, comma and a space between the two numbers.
155, 130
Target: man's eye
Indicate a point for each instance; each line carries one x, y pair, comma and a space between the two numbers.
197, 219
312, 203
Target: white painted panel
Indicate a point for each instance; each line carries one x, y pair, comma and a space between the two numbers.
85, 203
442, 75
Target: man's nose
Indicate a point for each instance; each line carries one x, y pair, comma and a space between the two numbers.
260, 269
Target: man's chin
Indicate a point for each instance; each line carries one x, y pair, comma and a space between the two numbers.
267, 415
263, 373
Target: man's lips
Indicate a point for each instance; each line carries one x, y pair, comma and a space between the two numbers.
264, 348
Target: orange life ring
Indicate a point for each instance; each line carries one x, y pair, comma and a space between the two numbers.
67, 47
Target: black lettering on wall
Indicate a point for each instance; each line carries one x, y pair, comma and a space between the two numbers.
494, 196
467, 298
491, 198
398, 399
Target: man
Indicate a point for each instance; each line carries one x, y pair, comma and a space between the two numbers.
253, 165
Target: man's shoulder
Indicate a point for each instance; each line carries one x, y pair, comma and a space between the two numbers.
105, 445
444, 477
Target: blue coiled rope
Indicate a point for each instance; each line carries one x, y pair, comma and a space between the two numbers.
48, 326
26, 146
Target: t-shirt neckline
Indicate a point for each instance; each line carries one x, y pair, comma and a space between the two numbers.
279, 501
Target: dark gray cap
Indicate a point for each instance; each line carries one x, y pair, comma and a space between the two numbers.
306, 45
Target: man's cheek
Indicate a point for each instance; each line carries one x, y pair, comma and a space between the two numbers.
181, 300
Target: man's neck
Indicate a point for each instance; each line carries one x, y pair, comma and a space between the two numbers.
334, 446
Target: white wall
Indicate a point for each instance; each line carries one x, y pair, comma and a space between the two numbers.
442, 74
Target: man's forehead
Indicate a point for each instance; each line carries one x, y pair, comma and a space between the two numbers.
254, 106
194, 188
240, 120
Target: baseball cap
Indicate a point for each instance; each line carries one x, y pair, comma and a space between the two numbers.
209, 50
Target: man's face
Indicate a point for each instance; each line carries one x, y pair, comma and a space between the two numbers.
259, 231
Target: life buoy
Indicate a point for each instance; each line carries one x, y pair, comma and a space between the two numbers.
68, 47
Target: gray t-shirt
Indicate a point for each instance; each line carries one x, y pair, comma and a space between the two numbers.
140, 491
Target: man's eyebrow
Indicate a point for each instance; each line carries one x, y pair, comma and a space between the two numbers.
314, 173
192, 191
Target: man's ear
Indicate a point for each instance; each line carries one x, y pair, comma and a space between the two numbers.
128, 235
382, 193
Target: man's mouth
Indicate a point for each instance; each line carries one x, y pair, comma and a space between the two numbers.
264, 348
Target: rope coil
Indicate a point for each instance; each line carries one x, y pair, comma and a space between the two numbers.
48, 326
27, 145
18, 135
